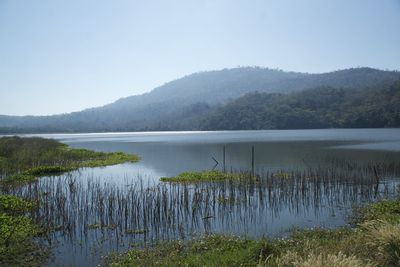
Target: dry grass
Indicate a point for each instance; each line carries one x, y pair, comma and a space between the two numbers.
293, 259
382, 239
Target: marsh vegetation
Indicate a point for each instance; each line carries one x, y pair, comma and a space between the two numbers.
140, 214
375, 241
22, 162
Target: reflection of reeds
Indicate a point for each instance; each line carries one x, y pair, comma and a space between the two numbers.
82, 209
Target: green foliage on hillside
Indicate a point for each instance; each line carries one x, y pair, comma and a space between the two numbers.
323, 107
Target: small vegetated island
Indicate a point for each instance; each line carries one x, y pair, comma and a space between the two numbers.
23, 161
203, 176
218, 176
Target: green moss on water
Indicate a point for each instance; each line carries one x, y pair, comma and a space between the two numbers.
204, 176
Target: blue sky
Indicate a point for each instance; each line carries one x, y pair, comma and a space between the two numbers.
62, 56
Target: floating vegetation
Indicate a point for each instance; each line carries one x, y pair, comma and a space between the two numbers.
101, 226
47, 170
204, 176
137, 231
282, 175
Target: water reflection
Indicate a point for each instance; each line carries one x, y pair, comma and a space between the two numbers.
169, 159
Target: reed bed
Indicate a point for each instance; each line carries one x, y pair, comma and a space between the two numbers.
86, 209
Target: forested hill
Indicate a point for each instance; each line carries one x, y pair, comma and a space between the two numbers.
192, 101
323, 107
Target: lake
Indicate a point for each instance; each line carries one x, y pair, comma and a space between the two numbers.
306, 179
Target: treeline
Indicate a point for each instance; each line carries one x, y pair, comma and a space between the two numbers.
323, 107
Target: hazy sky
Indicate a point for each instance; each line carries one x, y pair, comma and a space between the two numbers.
63, 56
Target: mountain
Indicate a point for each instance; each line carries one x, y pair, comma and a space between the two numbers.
323, 107
184, 103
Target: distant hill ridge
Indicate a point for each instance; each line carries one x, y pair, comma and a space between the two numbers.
322, 107
187, 103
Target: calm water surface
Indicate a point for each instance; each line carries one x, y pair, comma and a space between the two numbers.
256, 210
170, 153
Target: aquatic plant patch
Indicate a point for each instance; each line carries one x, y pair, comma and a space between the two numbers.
204, 176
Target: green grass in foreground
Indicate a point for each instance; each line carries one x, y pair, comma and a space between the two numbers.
375, 241
204, 176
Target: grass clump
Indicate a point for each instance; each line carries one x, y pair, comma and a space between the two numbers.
213, 250
47, 170
387, 210
204, 176
382, 239
106, 159
313, 260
